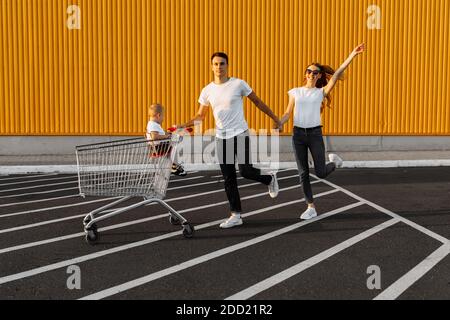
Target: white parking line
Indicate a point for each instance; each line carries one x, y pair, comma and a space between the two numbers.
51, 191
216, 191
306, 264
25, 177
39, 224
73, 181
185, 179
103, 253
278, 171
40, 186
103, 199
93, 201
57, 190
35, 193
72, 196
40, 200
71, 177
56, 208
389, 213
65, 189
411, 277
215, 254
76, 181
402, 284
32, 181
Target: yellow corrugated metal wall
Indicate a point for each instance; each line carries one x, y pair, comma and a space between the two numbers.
99, 79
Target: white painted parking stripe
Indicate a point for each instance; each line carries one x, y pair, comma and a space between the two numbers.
207, 257
57, 207
35, 193
89, 202
405, 282
76, 181
39, 224
36, 201
390, 213
39, 186
103, 253
25, 177
69, 196
216, 191
57, 190
278, 171
186, 179
68, 182
41, 192
71, 177
103, 199
192, 185
306, 264
32, 181
51, 191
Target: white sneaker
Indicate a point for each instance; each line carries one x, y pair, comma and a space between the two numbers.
336, 159
309, 214
273, 186
232, 221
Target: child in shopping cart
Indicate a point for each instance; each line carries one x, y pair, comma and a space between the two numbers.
156, 132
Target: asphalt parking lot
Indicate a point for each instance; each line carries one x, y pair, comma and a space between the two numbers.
380, 234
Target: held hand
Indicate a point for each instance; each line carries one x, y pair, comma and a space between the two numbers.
359, 49
277, 125
283, 120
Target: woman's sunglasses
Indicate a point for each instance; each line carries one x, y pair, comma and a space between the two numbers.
314, 72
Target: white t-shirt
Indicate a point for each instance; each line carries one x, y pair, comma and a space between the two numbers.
153, 126
226, 101
308, 102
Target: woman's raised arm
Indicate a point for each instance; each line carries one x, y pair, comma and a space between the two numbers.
358, 50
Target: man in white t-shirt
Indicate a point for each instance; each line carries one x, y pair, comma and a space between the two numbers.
225, 97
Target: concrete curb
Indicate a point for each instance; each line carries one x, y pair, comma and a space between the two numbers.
5, 170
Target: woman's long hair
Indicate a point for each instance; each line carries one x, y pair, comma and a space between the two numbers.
327, 72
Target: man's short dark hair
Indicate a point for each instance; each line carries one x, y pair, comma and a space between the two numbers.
221, 55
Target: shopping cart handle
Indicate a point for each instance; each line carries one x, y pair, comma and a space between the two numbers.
173, 129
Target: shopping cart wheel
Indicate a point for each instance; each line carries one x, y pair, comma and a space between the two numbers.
188, 230
86, 220
92, 235
174, 220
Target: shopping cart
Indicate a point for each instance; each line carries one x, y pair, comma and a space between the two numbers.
125, 169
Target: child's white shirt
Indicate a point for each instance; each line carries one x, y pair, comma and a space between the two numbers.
153, 126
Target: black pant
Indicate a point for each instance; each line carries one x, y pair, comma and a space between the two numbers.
311, 139
227, 151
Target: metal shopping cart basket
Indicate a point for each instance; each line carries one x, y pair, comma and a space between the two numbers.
124, 169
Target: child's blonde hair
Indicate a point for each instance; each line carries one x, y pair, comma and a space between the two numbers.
154, 109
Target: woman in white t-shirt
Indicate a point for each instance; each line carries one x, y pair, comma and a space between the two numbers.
307, 103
